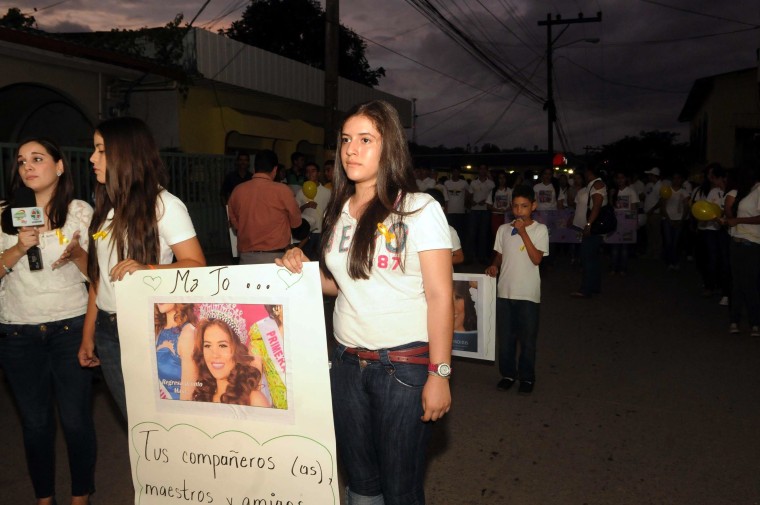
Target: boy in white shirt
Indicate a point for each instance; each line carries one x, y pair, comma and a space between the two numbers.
520, 246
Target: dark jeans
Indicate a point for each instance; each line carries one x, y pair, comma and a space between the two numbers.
377, 406
109, 351
619, 254
745, 266
671, 231
591, 269
517, 321
713, 261
478, 246
41, 365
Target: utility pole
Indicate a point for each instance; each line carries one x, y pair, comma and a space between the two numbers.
332, 24
550, 106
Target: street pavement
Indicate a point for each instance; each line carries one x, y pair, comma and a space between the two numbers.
642, 397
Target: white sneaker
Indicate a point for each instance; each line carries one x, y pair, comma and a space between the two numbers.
755, 332
734, 328
723, 301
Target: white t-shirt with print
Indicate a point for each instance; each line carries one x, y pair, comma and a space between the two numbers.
626, 198
457, 191
47, 295
174, 226
546, 196
675, 205
480, 191
749, 206
519, 278
652, 196
314, 216
500, 200
388, 309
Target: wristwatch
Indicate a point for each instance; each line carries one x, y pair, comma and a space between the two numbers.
442, 370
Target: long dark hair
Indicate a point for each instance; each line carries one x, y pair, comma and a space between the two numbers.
58, 207
135, 175
244, 378
395, 179
183, 313
462, 291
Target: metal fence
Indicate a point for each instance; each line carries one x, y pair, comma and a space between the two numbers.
195, 178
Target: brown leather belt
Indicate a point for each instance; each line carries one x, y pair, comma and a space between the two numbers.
411, 355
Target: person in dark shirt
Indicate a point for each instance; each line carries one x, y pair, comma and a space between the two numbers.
239, 175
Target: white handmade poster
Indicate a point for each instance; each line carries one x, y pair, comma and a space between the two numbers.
474, 316
227, 385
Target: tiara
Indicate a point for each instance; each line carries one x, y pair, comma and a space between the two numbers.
229, 314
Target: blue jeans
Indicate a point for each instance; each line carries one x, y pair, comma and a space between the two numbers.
619, 257
377, 406
671, 232
591, 276
109, 351
517, 321
745, 267
41, 365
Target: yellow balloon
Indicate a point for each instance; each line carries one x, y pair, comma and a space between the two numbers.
705, 211
309, 189
666, 192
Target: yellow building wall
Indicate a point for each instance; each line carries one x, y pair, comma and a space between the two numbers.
206, 118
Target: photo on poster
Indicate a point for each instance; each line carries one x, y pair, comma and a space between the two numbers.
474, 304
220, 354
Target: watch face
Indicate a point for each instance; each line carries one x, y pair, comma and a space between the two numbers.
444, 370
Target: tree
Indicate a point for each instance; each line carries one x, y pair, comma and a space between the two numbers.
648, 149
295, 29
14, 18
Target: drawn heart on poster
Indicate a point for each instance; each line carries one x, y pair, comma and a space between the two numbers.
152, 282
289, 278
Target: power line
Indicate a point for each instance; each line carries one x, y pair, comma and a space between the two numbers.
697, 13
459, 103
616, 83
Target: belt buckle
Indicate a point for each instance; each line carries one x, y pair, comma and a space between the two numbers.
363, 363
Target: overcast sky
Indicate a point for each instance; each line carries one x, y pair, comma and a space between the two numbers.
635, 78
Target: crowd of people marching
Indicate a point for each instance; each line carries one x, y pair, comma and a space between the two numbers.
361, 215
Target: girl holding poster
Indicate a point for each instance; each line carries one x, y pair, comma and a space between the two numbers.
137, 225
41, 319
386, 255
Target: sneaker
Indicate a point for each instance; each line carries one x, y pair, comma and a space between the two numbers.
505, 383
733, 329
525, 388
723, 301
755, 332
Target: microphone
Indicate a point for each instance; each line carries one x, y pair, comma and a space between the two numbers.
26, 213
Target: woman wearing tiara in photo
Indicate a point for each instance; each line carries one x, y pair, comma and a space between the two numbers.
175, 340
227, 373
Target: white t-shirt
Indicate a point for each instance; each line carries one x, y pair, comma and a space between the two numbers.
627, 198
456, 244
480, 191
546, 196
174, 226
314, 216
581, 206
749, 206
675, 205
639, 187
47, 295
716, 196
388, 309
500, 201
519, 278
457, 192
425, 183
652, 196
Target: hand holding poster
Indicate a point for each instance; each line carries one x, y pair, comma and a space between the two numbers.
227, 386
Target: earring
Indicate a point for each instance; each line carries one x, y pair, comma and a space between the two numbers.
58, 173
